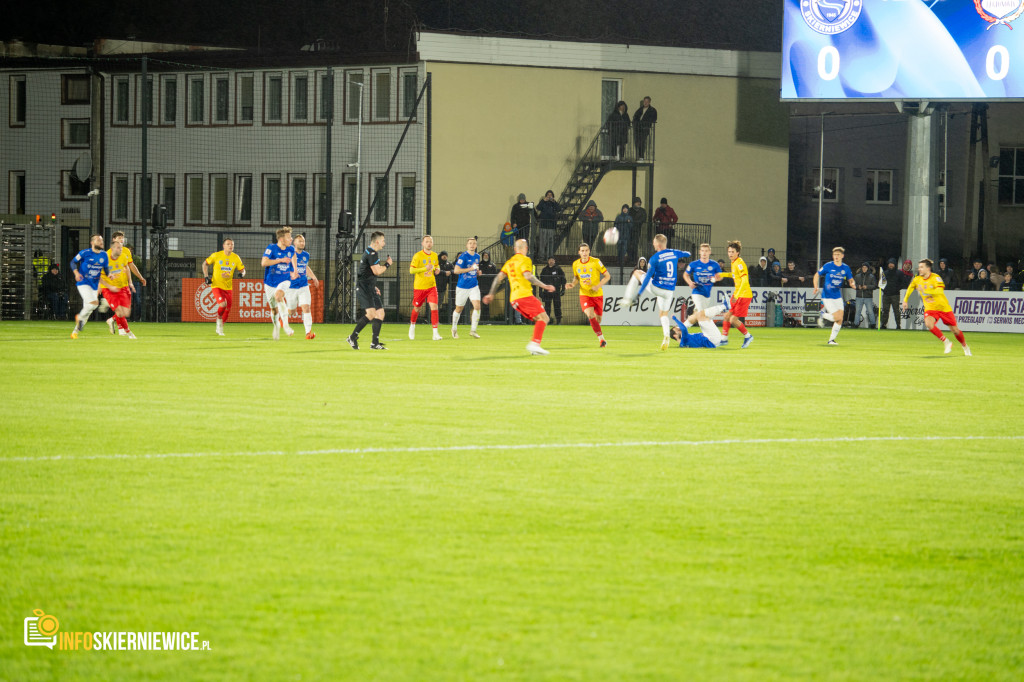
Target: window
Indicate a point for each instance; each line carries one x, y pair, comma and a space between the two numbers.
220, 99
272, 199
408, 199
380, 199
326, 97
121, 100
298, 199
245, 98
320, 204
273, 98
167, 195
350, 192
73, 188
879, 187
1011, 176
831, 184
353, 95
381, 95
410, 91
170, 108
120, 199
243, 198
16, 192
195, 100
194, 198
75, 133
19, 101
144, 194
74, 89
300, 98
218, 198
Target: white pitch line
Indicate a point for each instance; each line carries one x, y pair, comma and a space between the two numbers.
505, 447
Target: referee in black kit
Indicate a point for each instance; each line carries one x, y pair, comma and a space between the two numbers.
368, 294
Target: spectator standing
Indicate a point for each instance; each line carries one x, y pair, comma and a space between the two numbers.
726, 279
772, 259
665, 220
948, 275
866, 284
488, 270
591, 219
555, 276
444, 279
643, 121
982, 282
639, 216
893, 282
759, 275
521, 216
624, 224
994, 275
791, 277
908, 271
547, 211
53, 291
775, 275
1011, 280
972, 273
618, 129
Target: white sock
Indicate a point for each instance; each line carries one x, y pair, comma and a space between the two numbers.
85, 312
282, 313
631, 288
715, 310
836, 326
455, 319
273, 317
307, 321
711, 332
474, 319
664, 325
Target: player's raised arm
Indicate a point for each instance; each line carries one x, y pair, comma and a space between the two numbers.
498, 279
528, 276
647, 279
135, 270
378, 269
310, 273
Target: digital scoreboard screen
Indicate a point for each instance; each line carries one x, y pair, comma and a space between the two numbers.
903, 50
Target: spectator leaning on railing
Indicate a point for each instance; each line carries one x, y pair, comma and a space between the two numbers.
775, 275
972, 273
520, 217
759, 275
643, 120
1011, 279
866, 284
791, 277
982, 282
591, 218
547, 211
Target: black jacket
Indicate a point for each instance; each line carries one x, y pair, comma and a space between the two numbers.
868, 279
775, 275
949, 277
554, 276
548, 210
759, 276
618, 126
894, 282
639, 216
520, 218
51, 284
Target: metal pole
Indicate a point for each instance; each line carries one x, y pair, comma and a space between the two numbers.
144, 185
821, 190
359, 183
430, 127
328, 209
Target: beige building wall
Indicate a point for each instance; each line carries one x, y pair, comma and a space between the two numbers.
722, 146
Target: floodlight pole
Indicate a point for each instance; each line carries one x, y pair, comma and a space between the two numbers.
359, 181
821, 189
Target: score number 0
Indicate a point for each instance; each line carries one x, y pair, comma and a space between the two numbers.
828, 63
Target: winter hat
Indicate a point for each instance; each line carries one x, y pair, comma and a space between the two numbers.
892, 261
522, 197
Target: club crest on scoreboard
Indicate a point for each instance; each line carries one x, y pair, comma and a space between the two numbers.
831, 17
997, 12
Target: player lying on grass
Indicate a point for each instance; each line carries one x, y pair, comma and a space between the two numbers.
298, 291
592, 275
662, 274
519, 271
936, 305
708, 337
836, 274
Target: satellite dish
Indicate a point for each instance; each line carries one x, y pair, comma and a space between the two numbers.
82, 168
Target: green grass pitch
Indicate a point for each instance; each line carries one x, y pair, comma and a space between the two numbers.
459, 510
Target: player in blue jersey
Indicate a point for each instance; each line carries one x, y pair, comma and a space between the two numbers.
467, 267
87, 266
661, 277
709, 335
298, 294
836, 274
279, 269
700, 275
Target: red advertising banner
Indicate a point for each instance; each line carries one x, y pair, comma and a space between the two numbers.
248, 305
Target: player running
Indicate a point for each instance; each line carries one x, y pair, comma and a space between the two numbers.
116, 287
467, 267
278, 264
298, 291
424, 288
936, 305
592, 275
700, 275
836, 274
708, 337
519, 271
662, 273
87, 266
127, 300
225, 263
739, 305
368, 294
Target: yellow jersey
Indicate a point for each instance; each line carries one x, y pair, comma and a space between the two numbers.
515, 269
589, 274
117, 277
224, 268
932, 291
422, 265
741, 279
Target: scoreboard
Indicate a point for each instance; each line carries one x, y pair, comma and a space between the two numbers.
886, 50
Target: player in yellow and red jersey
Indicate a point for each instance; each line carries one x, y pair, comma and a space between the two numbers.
592, 275
936, 305
424, 288
519, 271
225, 263
741, 295
116, 287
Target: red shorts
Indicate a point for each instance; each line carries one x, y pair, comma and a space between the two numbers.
421, 295
739, 306
942, 316
222, 295
120, 299
595, 302
529, 307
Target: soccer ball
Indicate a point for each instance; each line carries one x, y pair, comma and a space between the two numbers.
611, 236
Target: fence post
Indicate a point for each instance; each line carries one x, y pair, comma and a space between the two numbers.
144, 186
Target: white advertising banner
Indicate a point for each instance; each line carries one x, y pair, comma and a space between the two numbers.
645, 311
975, 311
